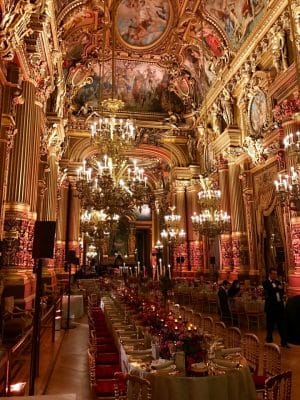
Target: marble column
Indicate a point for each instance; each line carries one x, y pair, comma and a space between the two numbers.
20, 206
238, 236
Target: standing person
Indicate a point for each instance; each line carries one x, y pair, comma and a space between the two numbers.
234, 289
274, 307
223, 301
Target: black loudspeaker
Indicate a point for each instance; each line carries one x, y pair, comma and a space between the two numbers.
43, 241
71, 257
212, 260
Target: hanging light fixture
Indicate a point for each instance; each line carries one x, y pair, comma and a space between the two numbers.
288, 188
172, 233
108, 130
105, 185
211, 221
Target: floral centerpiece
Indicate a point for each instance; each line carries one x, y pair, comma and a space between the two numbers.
194, 348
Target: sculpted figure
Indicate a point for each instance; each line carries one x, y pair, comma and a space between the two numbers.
278, 47
216, 120
227, 106
191, 145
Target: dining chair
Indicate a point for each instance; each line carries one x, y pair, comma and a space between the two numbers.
234, 337
212, 301
137, 388
208, 324
279, 387
198, 321
271, 366
220, 329
250, 347
254, 312
189, 315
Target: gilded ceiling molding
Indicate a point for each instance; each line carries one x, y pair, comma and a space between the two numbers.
253, 41
69, 8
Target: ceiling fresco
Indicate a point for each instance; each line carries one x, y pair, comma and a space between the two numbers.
235, 17
168, 53
142, 86
142, 22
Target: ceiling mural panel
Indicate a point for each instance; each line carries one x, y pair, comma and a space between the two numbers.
142, 86
142, 23
236, 17
204, 56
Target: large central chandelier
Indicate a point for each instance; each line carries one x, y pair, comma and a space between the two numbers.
108, 186
107, 130
211, 221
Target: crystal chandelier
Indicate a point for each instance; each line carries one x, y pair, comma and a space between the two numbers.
292, 141
288, 188
103, 186
107, 130
172, 233
97, 223
211, 221
91, 253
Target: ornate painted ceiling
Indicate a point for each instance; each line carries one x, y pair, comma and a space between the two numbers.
168, 52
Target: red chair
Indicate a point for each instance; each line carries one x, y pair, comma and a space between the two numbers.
106, 371
107, 358
105, 348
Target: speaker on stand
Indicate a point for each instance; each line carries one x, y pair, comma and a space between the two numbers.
42, 247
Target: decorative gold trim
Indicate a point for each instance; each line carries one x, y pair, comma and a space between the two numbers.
18, 207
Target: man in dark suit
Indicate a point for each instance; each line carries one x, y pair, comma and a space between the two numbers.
223, 302
274, 307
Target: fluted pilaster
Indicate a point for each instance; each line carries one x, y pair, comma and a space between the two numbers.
73, 222
20, 184
50, 199
61, 228
225, 239
239, 237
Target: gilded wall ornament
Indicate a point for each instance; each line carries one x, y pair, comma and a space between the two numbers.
258, 112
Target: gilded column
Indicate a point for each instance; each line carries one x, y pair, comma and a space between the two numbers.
251, 255
180, 250
73, 222
8, 98
225, 238
21, 196
195, 241
239, 237
61, 228
49, 209
290, 127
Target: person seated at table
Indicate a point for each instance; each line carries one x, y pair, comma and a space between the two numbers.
223, 301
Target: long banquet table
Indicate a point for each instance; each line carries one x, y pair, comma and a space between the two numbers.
234, 385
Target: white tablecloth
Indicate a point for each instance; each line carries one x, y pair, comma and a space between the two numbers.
76, 306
